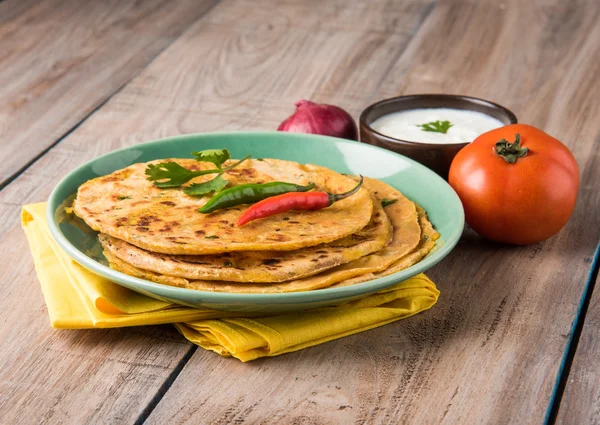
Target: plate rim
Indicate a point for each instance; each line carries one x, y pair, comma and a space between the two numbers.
210, 297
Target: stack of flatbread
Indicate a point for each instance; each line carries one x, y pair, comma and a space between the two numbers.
159, 235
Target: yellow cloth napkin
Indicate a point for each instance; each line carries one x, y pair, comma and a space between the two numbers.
77, 298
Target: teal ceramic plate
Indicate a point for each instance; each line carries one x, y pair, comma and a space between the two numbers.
414, 180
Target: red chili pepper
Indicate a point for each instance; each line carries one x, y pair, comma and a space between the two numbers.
293, 201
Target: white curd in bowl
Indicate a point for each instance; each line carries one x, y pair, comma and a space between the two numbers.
466, 125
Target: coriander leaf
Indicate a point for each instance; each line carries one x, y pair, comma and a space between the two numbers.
174, 174
214, 185
211, 237
385, 202
436, 126
216, 156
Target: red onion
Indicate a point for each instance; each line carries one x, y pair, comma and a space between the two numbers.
316, 118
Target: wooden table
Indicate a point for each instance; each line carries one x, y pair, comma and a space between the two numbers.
514, 337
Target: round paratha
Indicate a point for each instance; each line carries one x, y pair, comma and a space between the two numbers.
260, 266
127, 206
406, 234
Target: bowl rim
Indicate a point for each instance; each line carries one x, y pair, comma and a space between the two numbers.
427, 145
240, 298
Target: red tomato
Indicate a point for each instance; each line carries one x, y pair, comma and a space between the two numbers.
522, 202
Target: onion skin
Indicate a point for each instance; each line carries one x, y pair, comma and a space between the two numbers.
316, 118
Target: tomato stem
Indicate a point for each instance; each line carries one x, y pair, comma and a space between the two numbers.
510, 152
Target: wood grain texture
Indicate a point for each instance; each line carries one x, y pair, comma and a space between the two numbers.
227, 77
490, 351
60, 59
253, 60
581, 399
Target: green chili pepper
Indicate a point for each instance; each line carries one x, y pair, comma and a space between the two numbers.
249, 194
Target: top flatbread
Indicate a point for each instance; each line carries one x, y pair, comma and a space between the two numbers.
260, 266
405, 238
127, 206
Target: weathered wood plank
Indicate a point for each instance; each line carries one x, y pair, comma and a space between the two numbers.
60, 59
262, 63
227, 77
490, 351
581, 399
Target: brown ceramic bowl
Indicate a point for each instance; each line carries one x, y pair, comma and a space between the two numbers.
437, 157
